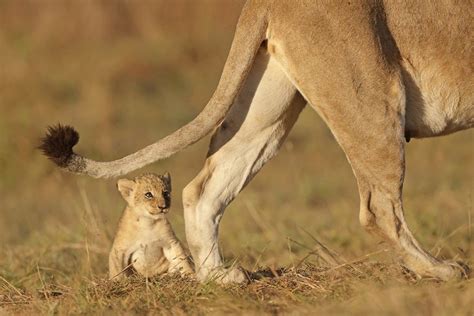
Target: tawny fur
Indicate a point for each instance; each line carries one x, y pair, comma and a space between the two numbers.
376, 71
145, 241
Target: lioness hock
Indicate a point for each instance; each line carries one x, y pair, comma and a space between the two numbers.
378, 72
145, 241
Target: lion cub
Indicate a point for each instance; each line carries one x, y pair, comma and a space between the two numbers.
145, 241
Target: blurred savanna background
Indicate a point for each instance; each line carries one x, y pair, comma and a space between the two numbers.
126, 73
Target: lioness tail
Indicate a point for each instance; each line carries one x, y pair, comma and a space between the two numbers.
250, 33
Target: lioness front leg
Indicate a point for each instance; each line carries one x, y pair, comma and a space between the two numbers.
251, 134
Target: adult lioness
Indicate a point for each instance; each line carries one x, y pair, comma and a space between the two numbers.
376, 71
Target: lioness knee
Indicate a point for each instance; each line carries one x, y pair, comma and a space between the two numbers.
193, 191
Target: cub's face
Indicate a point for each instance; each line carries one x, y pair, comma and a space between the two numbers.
149, 194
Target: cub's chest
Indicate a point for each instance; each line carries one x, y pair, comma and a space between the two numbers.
146, 255
148, 245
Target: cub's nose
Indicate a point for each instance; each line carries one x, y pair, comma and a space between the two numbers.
163, 206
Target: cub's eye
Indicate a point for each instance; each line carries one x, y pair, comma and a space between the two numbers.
166, 194
148, 195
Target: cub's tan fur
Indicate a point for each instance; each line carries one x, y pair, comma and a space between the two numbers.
377, 71
145, 241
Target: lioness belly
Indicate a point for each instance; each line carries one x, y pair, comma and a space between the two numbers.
434, 39
438, 102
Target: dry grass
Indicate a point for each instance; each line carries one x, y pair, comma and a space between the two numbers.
127, 72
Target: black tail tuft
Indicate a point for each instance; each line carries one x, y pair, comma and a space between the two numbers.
58, 142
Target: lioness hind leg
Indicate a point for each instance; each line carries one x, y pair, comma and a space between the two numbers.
251, 134
382, 213
371, 133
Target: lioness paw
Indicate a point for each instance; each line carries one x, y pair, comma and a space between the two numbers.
223, 275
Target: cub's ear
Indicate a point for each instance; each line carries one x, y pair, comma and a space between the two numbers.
167, 179
125, 188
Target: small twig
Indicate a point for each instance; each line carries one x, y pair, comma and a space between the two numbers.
309, 280
350, 263
261, 223
123, 270
210, 251
46, 295
327, 255
292, 256
11, 286
89, 265
255, 266
454, 232
320, 251
273, 271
